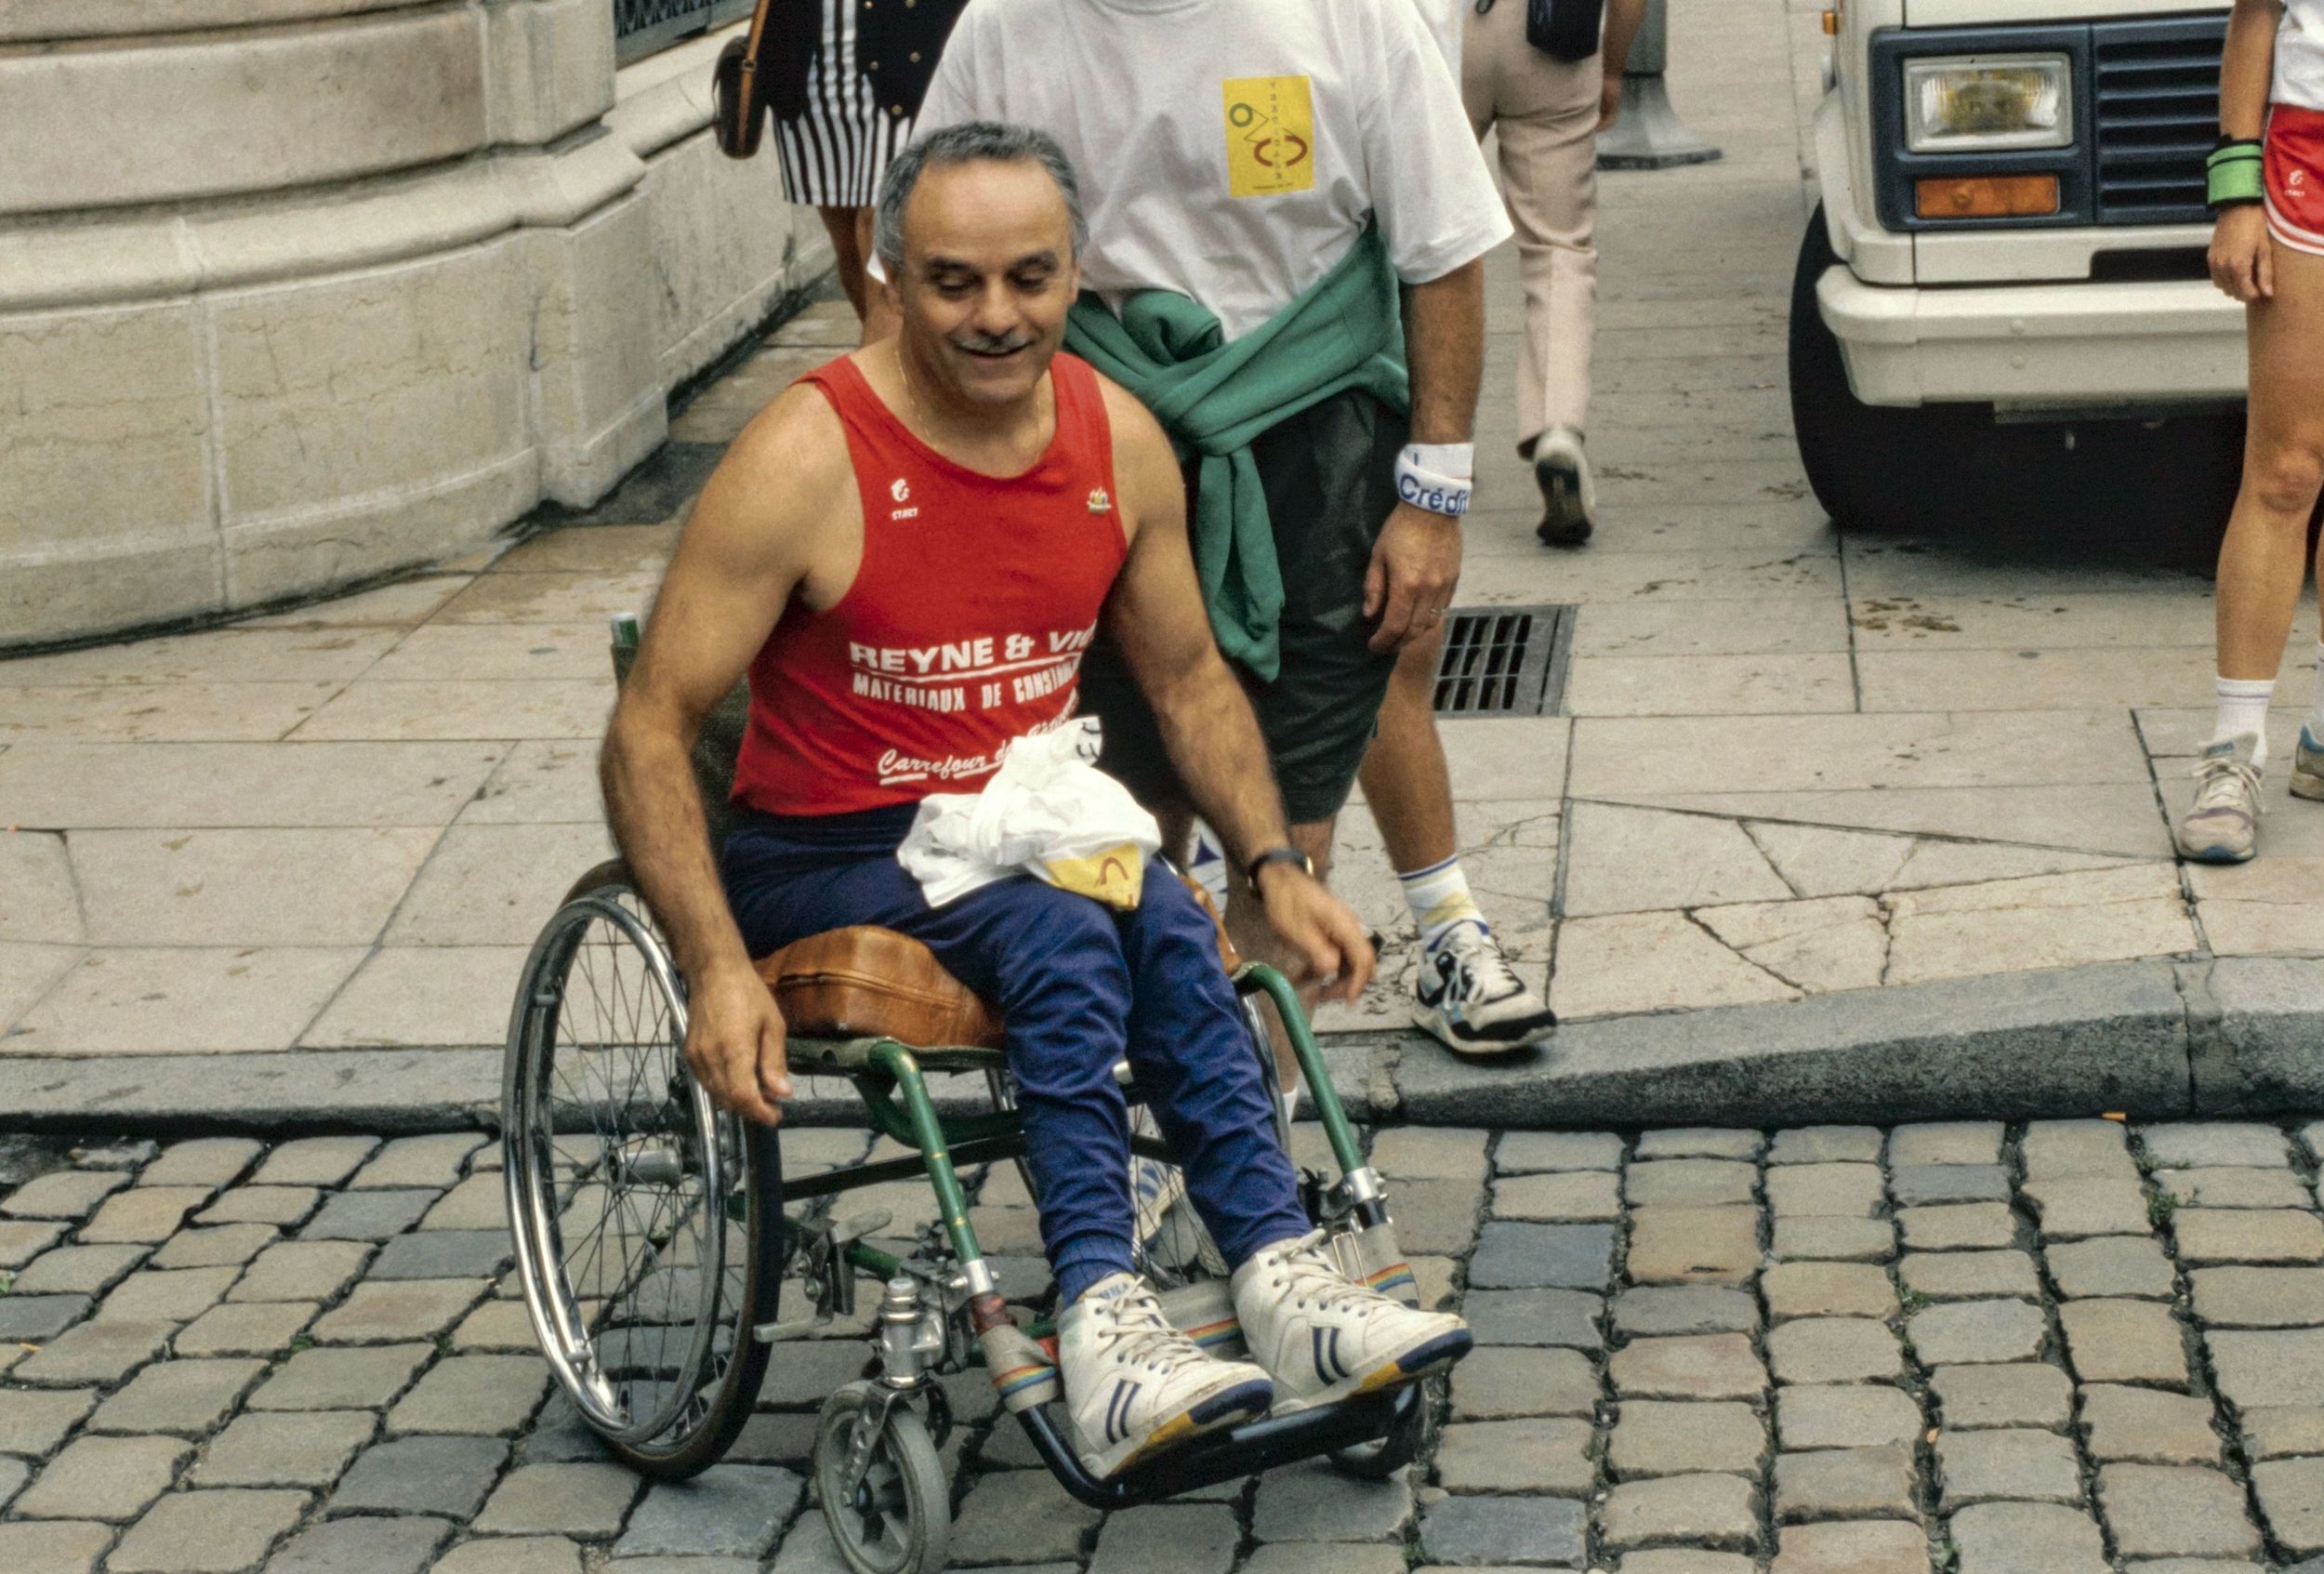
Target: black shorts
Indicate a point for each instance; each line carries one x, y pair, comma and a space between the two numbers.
1330, 473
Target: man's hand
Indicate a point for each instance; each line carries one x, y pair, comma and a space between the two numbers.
1416, 564
734, 1043
2242, 257
1317, 925
1610, 101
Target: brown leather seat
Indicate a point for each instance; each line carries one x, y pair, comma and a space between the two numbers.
869, 983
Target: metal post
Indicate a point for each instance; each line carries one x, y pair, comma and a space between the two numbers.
1648, 134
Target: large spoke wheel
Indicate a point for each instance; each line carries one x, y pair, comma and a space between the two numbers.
897, 1515
646, 1221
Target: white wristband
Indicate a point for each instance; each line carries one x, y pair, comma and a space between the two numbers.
1456, 459
1428, 489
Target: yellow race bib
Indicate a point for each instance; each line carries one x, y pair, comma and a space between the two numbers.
1270, 136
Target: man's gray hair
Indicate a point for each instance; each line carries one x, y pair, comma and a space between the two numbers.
967, 143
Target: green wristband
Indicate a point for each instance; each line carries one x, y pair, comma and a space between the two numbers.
2233, 176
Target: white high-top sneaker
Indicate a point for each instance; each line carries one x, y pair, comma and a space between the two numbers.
1136, 1386
1322, 1336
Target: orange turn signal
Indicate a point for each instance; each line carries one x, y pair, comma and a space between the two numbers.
1831, 24
1987, 196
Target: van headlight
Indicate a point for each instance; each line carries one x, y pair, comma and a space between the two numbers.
1970, 103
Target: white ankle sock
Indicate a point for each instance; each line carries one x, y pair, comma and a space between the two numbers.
2243, 709
2314, 722
1439, 898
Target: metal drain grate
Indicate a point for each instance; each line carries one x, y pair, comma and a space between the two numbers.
1504, 661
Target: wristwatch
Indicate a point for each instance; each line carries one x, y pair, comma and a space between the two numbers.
1277, 855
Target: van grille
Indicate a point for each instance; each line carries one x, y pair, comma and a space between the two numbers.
2157, 112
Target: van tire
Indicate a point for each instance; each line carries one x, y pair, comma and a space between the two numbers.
1868, 464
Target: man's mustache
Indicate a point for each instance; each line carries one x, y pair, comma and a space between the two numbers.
993, 344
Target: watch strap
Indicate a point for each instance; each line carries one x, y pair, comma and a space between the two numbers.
1276, 855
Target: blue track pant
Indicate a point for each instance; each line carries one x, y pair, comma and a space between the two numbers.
1079, 986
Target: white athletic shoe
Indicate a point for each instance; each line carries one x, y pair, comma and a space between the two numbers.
1473, 1000
2222, 824
1569, 494
1322, 1336
1135, 1387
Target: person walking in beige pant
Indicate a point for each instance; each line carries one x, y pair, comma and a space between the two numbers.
1549, 113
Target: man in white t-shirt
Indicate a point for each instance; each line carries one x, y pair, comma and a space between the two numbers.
1244, 155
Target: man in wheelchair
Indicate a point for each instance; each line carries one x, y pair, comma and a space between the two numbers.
907, 551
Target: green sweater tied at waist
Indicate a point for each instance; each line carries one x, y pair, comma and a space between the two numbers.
1214, 398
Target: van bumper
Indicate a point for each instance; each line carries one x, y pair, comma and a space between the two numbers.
2136, 347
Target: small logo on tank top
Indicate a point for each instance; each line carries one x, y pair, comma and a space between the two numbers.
901, 490
1099, 502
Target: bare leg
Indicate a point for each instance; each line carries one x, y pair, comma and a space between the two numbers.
880, 317
2263, 556
1405, 781
847, 251
1467, 994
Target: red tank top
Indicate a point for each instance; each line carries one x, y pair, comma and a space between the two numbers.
964, 625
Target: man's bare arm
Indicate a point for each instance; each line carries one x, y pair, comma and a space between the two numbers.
1416, 564
1157, 617
1444, 342
741, 558
1622, 20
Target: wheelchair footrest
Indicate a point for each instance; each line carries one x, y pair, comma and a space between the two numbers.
1224, 1456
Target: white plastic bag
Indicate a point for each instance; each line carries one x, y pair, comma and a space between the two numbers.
1048, 812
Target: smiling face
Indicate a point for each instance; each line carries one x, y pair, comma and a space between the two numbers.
988, 274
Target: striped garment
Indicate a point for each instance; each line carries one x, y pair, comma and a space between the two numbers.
834, 155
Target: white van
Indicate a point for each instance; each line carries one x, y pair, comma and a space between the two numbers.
2001, 306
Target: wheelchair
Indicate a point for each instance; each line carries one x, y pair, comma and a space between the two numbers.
666, 1259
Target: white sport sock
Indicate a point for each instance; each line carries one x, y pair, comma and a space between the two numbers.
2243, 709
1439, 898
2315, 719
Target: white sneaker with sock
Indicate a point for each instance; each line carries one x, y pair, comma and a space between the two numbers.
1469, 996
2307, 759
1322, 1336
1472, 1000
1135, 1387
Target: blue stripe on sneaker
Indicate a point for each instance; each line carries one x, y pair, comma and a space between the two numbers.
1245, 1398
1444, 1347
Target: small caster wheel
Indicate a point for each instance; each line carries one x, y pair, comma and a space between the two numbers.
897, 1514
1405, 1441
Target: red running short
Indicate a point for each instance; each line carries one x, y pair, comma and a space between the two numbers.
2295, 172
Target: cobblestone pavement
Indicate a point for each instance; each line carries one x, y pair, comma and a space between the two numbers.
2059, 1349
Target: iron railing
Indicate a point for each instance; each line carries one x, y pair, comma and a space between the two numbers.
643, 27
